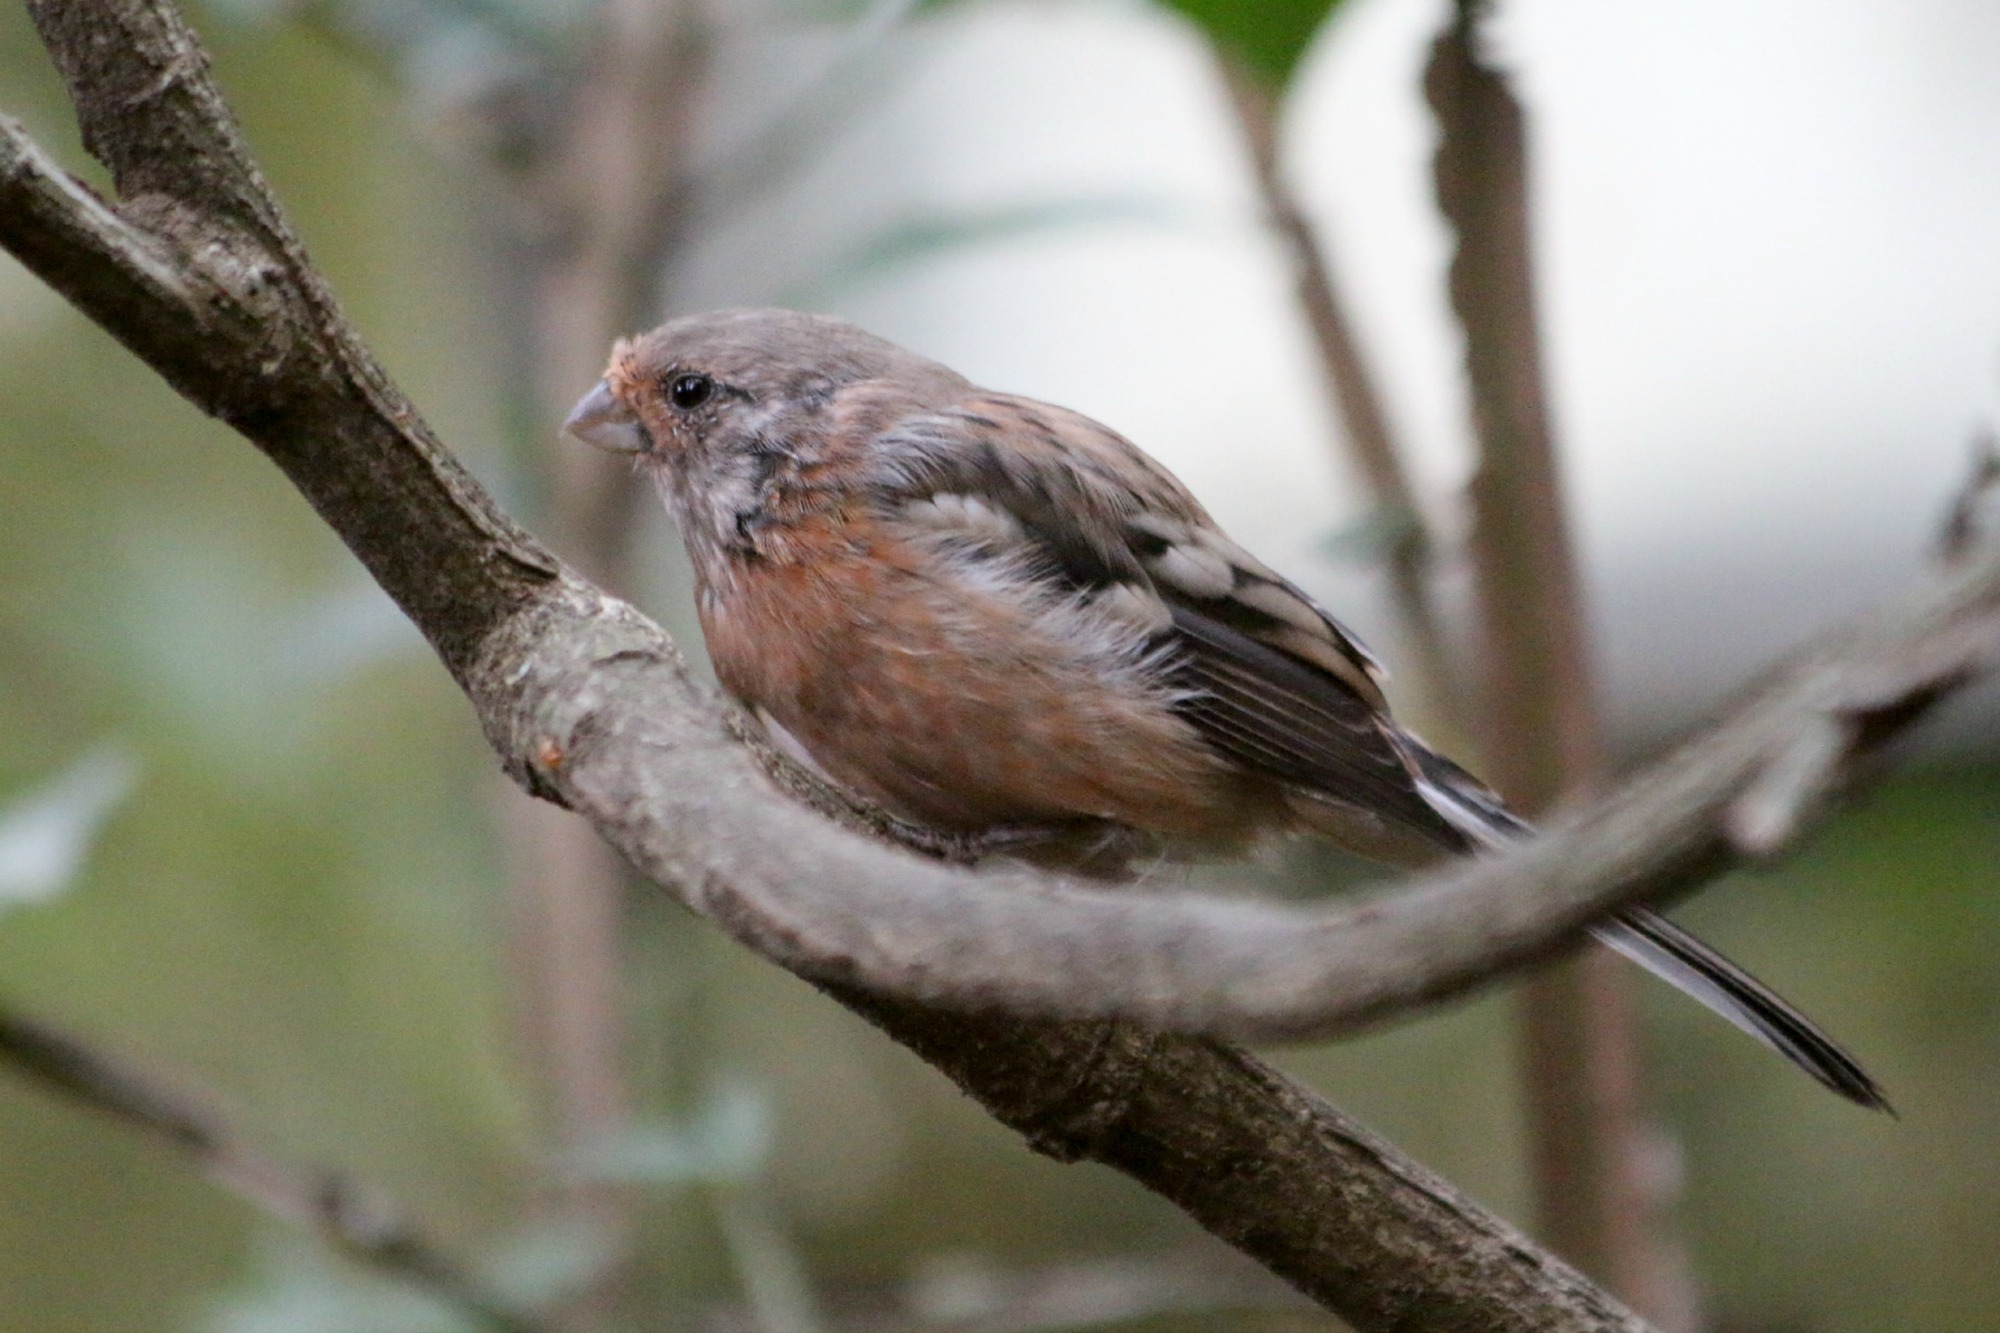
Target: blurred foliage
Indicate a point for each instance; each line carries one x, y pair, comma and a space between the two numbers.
300, 1289
298, 905
1270, 37
727, 1140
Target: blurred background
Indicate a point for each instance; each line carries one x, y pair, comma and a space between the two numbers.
251, 841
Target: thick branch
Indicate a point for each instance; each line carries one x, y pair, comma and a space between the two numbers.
1220, 1133
587, 702
591, 702
352, 1220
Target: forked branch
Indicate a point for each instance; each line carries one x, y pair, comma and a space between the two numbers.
588, 703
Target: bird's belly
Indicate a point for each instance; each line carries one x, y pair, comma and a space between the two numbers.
967, 714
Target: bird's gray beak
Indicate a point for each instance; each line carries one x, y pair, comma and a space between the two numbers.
600, 420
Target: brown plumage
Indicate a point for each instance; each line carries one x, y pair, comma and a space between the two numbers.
990, 613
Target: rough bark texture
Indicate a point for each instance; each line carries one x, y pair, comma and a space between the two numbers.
587, 703
1213, 1128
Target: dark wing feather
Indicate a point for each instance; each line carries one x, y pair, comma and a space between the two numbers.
1276, 714
1268, 678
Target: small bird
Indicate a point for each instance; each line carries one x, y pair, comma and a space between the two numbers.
991, 615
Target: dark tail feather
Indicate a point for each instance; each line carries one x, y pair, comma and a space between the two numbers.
1686, 963
1663, 948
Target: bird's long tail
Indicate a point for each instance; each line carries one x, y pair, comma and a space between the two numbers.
1682, 960
1674, 955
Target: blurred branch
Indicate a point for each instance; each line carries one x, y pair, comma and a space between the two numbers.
1542, 710
588, 703
613, 186
352, 1220
812, 112
1598, 1197
603, 188
1365, 424
1966, 523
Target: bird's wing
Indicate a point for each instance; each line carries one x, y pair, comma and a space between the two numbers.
1262, 672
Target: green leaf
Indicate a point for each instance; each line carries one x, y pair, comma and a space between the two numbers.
46, 834
1268, 36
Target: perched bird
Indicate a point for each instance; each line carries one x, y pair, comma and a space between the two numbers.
987, 613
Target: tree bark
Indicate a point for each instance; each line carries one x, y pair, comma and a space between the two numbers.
985, 973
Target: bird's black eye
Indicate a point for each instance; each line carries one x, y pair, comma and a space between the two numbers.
688, 392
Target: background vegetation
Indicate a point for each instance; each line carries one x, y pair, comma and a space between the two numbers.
249, 837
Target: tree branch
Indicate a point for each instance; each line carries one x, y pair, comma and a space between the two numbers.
355, 1221
1267, 1165
1597, 1198
588, 703
1364, 419
591, 702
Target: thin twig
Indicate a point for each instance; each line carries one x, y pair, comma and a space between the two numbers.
353, 1220
1597, 1199
1370, 442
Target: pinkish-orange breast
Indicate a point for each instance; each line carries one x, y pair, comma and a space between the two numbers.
952, 707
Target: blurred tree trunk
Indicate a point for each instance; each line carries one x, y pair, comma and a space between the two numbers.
602, 200
1600, 1198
